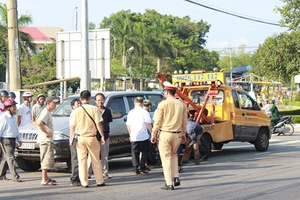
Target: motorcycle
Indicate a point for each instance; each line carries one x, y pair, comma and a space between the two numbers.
284, 126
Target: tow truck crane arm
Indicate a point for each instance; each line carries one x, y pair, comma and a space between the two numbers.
182, 94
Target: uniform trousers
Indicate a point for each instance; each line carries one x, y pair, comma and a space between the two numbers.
168, 145
89, 146
8, 147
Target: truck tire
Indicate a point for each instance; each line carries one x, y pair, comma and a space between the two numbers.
262, 141
28, 165
217, 146
206, 145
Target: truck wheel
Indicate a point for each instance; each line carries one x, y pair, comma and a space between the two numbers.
205, 147
28, 165
153, 154
217, 146
262, 141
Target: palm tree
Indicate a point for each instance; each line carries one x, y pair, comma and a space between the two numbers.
25, 44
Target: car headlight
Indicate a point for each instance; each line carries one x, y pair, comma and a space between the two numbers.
59, 136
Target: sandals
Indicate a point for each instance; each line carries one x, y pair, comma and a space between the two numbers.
49, 182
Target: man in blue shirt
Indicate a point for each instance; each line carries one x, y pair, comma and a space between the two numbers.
9, 133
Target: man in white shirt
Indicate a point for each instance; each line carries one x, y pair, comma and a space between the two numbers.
266, 106
24, 111
138, 121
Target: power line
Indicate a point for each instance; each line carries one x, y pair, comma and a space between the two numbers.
232, 14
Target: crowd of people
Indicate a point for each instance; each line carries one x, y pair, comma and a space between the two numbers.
168, 129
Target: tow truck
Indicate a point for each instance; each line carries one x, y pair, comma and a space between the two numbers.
233, 115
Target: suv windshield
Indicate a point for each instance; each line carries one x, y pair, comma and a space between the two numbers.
65, 109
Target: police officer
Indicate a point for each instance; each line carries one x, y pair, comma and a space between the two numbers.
170, 119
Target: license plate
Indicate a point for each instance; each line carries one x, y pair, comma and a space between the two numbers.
27, 146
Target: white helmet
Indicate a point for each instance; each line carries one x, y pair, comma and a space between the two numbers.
27, 94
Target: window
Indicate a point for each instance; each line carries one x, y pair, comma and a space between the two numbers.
117, 107
154, 99
235, 99
198, 97
246, 101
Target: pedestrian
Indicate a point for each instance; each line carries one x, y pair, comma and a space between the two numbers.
194, 132
170, 119
147, 105
107, 118
3, 98
45, 139
12, 95
38, 107
24, 110
86, 120
75, 181
9, 137
138, 123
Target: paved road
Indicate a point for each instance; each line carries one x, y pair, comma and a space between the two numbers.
238, 171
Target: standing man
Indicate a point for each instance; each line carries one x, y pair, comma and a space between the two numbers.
38, 107
138, 120
9, 133
107, 118
3, 98
87, 144
45, 139
75, 181
24, 111
170, 119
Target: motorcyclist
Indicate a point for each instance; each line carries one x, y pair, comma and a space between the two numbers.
274, 113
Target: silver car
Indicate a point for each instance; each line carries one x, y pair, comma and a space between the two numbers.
120, 103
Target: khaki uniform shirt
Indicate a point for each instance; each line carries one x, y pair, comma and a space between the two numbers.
84, 125
171, 115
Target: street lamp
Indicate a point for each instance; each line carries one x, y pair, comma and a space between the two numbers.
125, 65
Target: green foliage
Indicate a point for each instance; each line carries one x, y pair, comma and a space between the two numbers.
290, 13
40, 67
297, 97
278, 57
25, 44
238, 58
176, 43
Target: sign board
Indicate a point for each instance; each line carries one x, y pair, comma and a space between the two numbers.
68, 54
201, 77
297, 79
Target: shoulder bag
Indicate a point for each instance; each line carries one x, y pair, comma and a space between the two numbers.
98, 135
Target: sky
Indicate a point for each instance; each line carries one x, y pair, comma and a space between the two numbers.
225, 32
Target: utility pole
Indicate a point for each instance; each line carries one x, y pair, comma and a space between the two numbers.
13, 46
85, 83
231, 80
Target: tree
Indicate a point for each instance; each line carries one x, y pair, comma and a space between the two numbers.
278, 57
177, 43
25, 44
41, 67
239, 58
290, 13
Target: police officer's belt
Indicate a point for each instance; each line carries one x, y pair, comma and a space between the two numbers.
171, 131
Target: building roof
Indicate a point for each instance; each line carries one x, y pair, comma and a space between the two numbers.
42, 34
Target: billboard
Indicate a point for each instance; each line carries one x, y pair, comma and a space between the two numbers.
68, 54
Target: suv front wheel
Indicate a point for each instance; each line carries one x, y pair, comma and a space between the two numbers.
28, 165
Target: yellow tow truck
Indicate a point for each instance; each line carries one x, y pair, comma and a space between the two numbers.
233, 115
